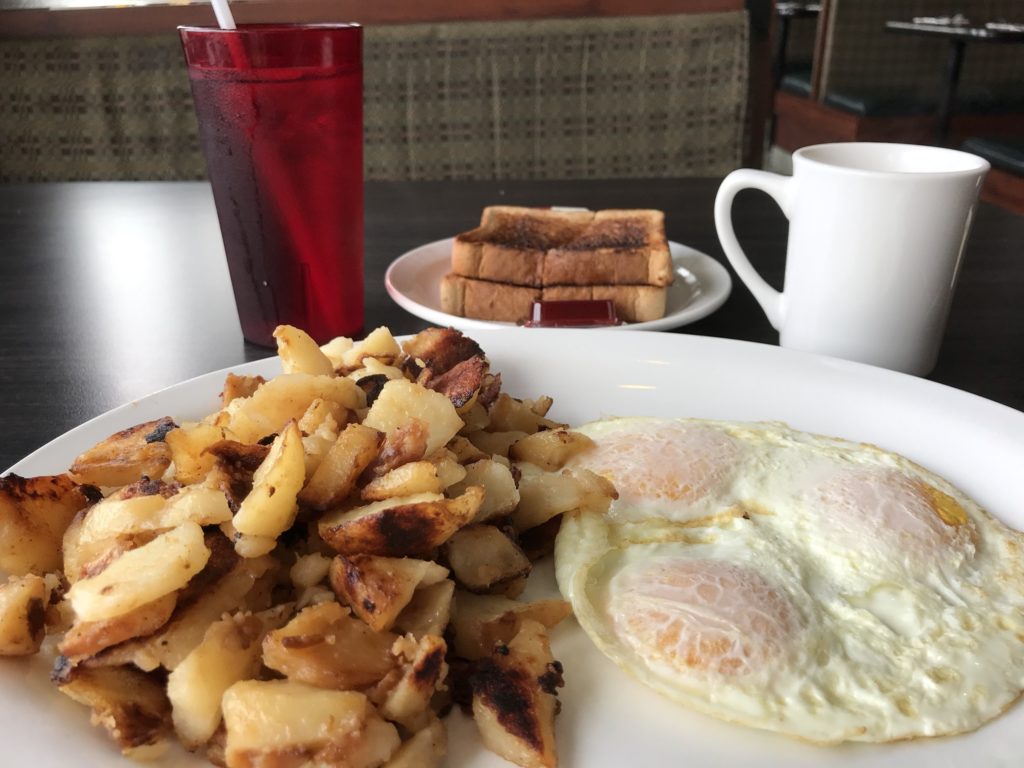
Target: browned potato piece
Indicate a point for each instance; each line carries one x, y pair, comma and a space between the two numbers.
514, 699
404, 696
34, 513
126, 456
282, 399
130, 704
378, 588
22, 615
87, 638
465, 452
188, 624
424, 749
461, 383
550, 449
326, 647
239, 386
438, 350
429, 610
483, 559
501, 495
284, 724
141, 575
495, 443
543, 496
188, 445
481, 621
406, 480
413, 525
509, 414
336, 476
406, 443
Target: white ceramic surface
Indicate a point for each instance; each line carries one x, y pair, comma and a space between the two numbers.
876, 235
608, 720
413, 280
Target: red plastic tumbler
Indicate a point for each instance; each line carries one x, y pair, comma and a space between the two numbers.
280, 111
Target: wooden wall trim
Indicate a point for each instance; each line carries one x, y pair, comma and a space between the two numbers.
141, 20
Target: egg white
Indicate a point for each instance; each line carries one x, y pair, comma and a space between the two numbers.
807, 585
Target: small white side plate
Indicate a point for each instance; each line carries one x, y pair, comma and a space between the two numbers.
414, 281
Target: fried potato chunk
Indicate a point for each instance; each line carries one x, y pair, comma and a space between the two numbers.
129, 704
404, 696
126, 456
230, 651
483, 559
299, 353
335, 478
429, 610
377, 589
411, 525
34, 513
326, 647
424, 749
501, 495
479, 622
550, 449
286, 724
142, 575
542, 496
282, 399
400, 401
271, 506
187, 626
514, 698
22, 615
87, 638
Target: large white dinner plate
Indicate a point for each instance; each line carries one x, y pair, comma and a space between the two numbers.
414, 282
608, 720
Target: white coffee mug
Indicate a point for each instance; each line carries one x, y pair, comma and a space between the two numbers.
876, 235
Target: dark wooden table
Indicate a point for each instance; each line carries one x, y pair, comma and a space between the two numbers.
109, 291
957, 33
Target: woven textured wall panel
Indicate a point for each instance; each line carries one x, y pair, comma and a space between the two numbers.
572, 98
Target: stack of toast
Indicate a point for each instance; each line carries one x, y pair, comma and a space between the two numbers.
521, 255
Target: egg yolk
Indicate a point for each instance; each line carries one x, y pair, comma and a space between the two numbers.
886, 505
667, 461
707, 616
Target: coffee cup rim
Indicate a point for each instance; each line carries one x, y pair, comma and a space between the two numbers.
873, 152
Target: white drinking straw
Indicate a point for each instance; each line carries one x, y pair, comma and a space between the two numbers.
223, 11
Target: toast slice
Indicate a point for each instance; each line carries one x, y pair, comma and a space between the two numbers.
486, 300
510, 244
541, 247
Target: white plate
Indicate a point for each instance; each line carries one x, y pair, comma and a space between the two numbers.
414, 281
608, 720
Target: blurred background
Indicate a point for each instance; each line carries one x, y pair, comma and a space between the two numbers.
530, 89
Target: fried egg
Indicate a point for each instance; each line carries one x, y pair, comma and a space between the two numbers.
807, 585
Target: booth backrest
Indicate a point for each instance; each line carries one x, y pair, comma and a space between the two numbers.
617, 97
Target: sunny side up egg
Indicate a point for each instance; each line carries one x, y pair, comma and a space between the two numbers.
811, 586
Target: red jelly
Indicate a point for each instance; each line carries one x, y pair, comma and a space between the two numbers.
572, 314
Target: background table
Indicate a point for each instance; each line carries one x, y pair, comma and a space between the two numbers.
109, 291
957, 35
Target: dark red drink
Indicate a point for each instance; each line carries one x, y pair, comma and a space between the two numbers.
280, 110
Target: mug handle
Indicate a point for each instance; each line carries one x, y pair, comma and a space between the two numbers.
779, 188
